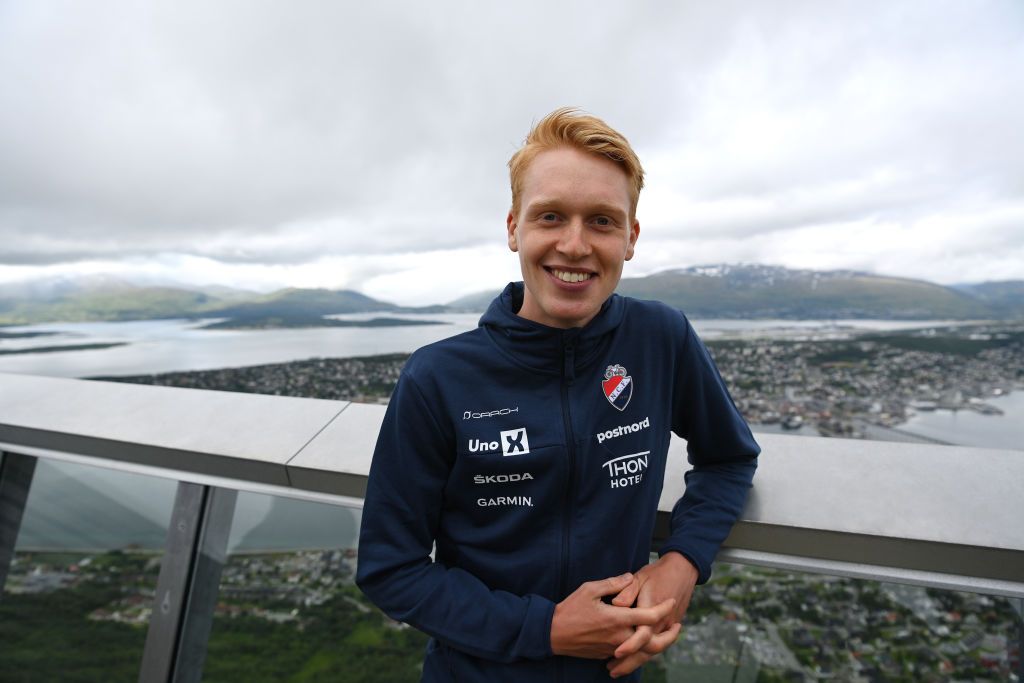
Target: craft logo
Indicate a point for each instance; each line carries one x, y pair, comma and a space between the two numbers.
473, 415
617, 386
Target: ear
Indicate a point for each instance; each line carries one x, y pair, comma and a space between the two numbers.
510, 224
634, 235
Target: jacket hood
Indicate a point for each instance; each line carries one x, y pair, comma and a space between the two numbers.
549, 349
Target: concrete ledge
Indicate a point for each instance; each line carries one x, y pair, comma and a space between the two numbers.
880, 509
180, 429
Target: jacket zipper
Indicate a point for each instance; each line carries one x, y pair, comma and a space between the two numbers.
568, 375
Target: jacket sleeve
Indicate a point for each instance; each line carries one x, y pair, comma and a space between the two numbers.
403, 506
720, 448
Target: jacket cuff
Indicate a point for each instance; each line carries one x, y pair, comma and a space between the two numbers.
535, 637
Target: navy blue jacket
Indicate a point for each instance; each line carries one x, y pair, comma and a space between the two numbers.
534, 458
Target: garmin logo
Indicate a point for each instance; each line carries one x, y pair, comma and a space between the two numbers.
501, 478
470, 415
511, 442
624, 429
521, 501
626, 470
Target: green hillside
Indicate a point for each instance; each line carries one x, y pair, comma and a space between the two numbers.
303, 302
1007, 296
124, 301
830, 295
473, 302
111, 304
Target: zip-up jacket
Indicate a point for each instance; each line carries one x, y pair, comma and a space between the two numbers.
534, 457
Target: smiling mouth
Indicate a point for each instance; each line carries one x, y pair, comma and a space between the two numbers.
570, 276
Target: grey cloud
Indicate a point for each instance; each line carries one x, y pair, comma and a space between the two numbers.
272, 133
164, 119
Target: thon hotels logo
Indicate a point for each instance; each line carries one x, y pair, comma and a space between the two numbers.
511, 442
626, 470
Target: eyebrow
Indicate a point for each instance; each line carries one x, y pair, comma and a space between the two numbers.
543, 204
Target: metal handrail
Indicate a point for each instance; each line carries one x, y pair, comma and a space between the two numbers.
944, 516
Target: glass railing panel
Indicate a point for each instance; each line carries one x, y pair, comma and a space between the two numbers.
763, 625
289, 609
79, 593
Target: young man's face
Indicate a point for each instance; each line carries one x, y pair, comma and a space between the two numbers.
573, 231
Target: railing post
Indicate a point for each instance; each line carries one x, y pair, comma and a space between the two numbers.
16, 472
1020, 638
187, 587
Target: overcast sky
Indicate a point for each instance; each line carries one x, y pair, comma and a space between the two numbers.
268, 144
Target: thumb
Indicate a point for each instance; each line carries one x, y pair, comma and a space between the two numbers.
612, 584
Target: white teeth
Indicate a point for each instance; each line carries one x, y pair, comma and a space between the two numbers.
566, 276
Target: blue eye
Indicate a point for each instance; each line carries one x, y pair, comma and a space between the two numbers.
548, 217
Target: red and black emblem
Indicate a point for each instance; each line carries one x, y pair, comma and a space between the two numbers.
617, 386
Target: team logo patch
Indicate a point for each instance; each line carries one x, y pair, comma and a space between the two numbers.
617, 386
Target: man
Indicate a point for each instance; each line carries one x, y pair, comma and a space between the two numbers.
532, 450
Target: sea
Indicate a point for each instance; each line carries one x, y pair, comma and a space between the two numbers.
73, 506
154, 346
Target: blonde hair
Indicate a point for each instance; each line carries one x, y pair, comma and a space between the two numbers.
570, 127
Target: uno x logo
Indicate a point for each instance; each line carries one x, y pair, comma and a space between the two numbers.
515, 442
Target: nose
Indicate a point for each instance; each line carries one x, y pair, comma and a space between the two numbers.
574, 242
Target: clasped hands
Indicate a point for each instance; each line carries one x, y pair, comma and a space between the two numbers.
585, 626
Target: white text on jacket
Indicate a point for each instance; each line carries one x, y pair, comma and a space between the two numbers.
623, 429
626, 470
501, 478
523, 501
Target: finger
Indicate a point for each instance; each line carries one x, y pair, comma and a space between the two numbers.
659, 642
648, 616
627, 596
635, 642
607, 586
622, 667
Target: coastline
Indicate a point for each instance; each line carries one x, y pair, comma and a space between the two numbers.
871, 386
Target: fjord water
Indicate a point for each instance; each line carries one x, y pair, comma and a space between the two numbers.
154, 346
969, 428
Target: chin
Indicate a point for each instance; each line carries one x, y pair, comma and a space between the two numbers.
571, 315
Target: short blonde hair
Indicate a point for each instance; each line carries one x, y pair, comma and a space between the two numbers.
570, 127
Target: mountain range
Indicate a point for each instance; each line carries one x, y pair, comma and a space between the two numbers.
720, 291
758, 291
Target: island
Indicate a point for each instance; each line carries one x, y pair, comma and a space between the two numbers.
25, 335
65, 347
275, 322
